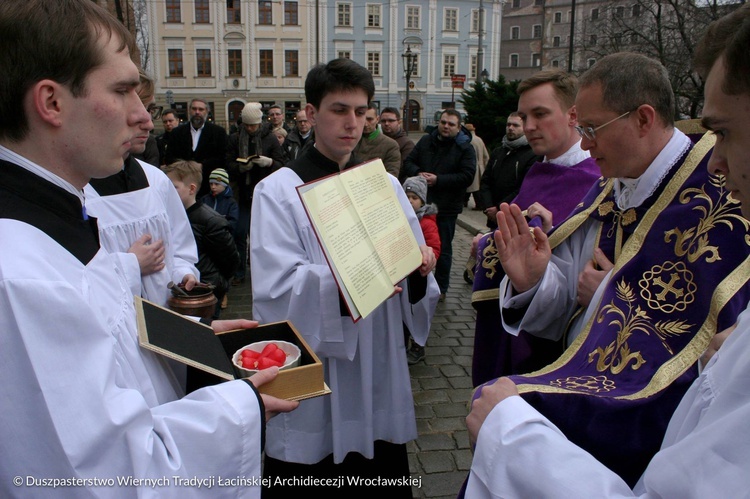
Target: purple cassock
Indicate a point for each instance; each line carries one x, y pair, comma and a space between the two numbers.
496, 353
680, 276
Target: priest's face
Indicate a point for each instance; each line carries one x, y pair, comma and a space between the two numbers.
547, 126
621, 148
109, 110
728, 116
338, 123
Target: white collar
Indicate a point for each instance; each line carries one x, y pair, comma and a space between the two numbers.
13, 157
571, 157
632, 192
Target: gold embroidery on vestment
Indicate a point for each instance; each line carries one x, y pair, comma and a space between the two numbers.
669, 287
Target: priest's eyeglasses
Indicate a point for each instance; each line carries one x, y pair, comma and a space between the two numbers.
155, 111
590, 132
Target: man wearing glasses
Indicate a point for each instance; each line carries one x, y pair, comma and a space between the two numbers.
631, 285
390, 123
446, 159
276, 118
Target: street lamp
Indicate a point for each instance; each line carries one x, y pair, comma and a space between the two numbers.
409, 61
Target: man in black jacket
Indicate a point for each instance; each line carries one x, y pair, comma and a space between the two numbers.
506, 169
200, 141
446, 159
252, 153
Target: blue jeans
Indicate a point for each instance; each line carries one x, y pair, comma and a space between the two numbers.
446, 229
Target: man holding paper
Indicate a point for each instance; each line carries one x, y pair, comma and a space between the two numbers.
362, 427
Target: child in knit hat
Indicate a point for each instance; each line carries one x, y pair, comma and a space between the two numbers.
416, 191
221, 198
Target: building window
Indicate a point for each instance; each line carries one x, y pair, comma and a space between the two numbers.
558, 17
636, 10
234, 12
266, 62
475, 21
174, 14
514, 60
556, 41
344, 54
515, 32
555, 63
473, 68
619, 12
234, 62
264, 12
449, 65
450, 20
412, 17
373, 63
594, 14
536, 31
373, 16
536, 60
291, 15
201, 12
592, 40
203, 60
344, 14
175, 62
516, 4
291, 63
591, 62
538, 2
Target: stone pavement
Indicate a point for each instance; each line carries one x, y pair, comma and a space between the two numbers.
441, 384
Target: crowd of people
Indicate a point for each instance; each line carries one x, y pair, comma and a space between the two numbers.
611, 287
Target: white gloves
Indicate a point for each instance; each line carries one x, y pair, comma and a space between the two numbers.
263, 161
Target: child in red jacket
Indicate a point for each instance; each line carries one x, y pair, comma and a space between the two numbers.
416, 191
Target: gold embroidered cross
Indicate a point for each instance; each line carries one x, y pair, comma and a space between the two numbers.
668, 287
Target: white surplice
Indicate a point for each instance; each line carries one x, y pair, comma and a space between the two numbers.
704, 454
155, 210
365, 363
81, 400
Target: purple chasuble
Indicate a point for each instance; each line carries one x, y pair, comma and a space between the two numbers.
496, 353
681, 276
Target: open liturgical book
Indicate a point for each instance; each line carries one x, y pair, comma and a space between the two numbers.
364, 233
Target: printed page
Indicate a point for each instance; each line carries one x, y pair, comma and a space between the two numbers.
383, 217
351, 255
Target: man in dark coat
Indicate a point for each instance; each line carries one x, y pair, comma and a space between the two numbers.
506, 169
200, 141
446, 159
252, 153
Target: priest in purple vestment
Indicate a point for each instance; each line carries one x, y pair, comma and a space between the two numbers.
642, 275
558, 183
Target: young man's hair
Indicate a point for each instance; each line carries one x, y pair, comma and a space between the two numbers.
56, 40
565, 86
339, 75
629, 80
371, 105
274, 106
146, 87
452, 112
514, 114
728, 37
170, 111
188, 172
391, 110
